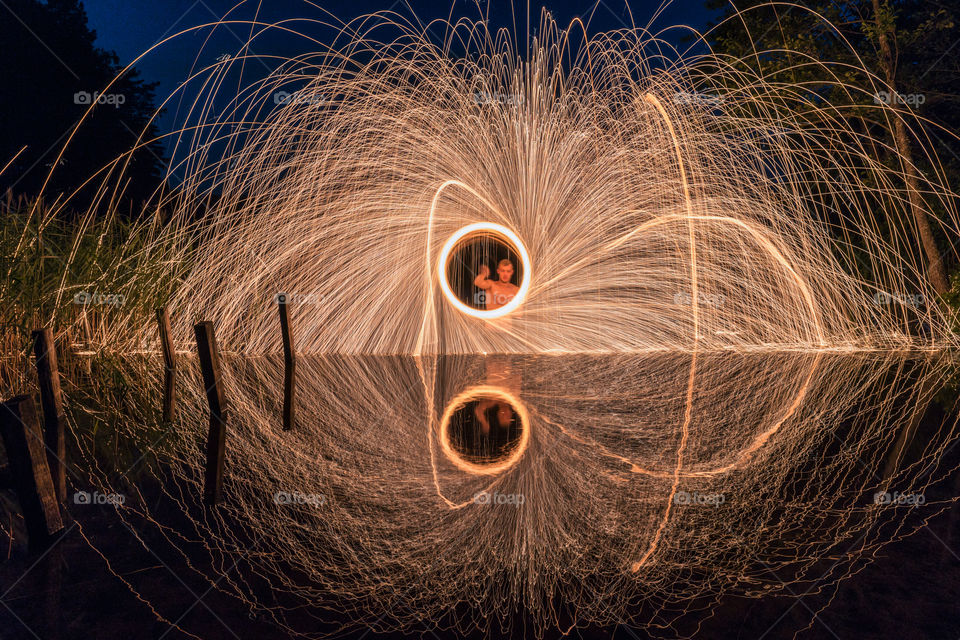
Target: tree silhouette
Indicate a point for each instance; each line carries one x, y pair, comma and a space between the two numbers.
51, 72
908, 44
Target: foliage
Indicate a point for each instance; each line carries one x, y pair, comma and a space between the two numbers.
51, 72
785, 39
83, 277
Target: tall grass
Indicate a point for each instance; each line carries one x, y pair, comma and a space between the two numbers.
90, 278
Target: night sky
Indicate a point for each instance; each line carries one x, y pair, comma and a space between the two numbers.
129, 28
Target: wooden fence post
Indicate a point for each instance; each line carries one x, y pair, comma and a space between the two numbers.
169, 362
217, 436
289, 361
32, 482
51, 399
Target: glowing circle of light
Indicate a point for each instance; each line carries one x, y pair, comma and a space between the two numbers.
510, 237
473, 393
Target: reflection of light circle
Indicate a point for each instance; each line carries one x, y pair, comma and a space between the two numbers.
506, 234
475, 393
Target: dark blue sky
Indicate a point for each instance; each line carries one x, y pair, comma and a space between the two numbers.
129, 28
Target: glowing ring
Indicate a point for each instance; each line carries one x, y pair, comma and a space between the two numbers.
509, 236
472, 394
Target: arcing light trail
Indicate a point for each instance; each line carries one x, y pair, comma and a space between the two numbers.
651, 217
693, 265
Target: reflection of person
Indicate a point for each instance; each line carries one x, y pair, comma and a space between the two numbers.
498, 292
504, 414
499, 374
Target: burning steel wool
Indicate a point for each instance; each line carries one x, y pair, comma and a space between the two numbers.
580, 344
642, 218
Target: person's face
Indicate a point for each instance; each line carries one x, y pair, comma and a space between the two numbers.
504, 415
505, 272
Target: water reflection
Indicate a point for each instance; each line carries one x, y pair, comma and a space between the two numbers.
483, 430
607, 482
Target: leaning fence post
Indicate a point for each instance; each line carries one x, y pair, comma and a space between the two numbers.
217, 436
169, 362
289, 361
51, 399
26, 455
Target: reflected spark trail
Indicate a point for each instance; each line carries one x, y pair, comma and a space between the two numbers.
611, 450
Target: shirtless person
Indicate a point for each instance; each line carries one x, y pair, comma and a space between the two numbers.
499, 292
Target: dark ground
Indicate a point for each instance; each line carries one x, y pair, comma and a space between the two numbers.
909, 591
